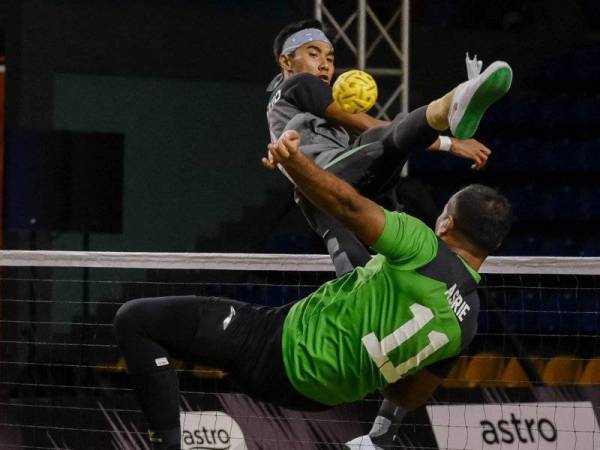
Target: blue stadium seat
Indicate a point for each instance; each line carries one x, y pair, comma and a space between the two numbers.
577, 70
567, 308
430, 163
587, 306
523, 112
555, 112
519, 156
249, 293
555, 203
588, 246
557, 246
586, 65
563, 156
591, 152
565, 203
586, 112
275, 296
521, 314
547, 311
517, 245
567, 300
532, 155
290, 244
589, 203
526, 203
498, 118
589, 323
536, 245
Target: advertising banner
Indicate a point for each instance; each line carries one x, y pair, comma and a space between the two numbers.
524, 426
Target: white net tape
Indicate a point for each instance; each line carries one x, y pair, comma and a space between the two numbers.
272, 262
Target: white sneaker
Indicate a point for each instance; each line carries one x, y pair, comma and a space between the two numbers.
362, 443
474, 66
472, 98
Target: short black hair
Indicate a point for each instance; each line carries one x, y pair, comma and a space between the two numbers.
482, 215
290, 29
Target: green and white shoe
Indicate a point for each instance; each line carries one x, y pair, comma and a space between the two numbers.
472, 98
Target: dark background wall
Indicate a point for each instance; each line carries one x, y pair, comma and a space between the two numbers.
182, 40
191, 40
184, 83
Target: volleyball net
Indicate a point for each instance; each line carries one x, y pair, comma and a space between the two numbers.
531, 377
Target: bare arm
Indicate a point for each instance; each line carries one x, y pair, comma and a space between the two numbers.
411, 392
470, 149
326, 191
357, 123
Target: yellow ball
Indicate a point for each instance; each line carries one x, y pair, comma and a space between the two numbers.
355, 91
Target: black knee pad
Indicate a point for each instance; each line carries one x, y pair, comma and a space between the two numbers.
129, 318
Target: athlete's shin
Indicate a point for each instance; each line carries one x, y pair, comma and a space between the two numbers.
151, 374
437, 112
403, 136
158, 395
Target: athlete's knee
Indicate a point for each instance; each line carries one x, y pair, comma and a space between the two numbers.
129, 319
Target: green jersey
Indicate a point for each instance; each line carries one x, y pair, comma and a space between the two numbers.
412, 305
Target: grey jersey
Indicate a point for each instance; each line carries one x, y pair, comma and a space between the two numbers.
299, 103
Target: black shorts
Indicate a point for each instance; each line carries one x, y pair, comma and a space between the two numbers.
374, 163
248, 348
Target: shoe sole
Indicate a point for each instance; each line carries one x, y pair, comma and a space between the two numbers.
490, 91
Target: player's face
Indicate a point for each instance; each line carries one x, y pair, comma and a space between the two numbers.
314, 57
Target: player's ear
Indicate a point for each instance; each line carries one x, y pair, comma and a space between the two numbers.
285, 62
451, 222
445, 225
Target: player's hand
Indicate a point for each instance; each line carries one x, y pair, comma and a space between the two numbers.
269, 162
284, 150
471, 149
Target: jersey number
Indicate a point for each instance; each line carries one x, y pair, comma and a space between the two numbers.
379, 350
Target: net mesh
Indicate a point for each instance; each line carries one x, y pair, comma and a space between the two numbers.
63, 383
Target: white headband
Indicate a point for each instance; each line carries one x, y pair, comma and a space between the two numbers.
301, 37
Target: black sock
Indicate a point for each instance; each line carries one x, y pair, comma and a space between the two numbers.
158, 394
387, 424
165, 439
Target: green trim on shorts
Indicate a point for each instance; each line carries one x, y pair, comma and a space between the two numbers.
346, 155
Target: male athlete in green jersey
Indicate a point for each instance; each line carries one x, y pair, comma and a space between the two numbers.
394, 325
414, 305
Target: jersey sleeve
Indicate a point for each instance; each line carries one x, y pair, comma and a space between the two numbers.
406, 241
308, 93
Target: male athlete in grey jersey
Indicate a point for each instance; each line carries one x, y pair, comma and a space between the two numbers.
301, 100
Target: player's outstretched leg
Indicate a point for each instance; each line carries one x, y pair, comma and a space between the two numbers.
462, 109
138, 326
191, 328
150, 332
